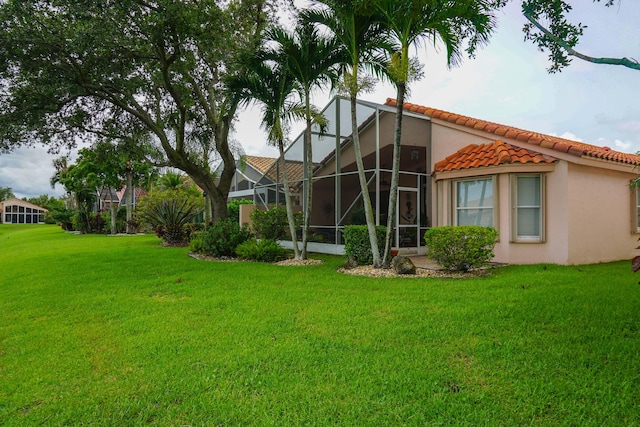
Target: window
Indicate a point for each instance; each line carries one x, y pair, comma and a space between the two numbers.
527, 208
475, 202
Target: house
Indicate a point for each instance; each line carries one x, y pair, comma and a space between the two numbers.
265, 173
551, 199
108, 197
16, 211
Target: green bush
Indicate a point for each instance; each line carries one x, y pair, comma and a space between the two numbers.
357, 244
64, 217
193, 230
461, 248
223, 237
196, 244
263, 250
272, 224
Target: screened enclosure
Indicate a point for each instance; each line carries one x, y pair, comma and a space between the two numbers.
336, 196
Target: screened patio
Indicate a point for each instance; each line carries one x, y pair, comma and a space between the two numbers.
336, 195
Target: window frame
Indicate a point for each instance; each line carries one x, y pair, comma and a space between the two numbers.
635, 208
494, 204
515, 208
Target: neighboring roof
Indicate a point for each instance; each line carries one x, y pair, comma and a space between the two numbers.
267, 166
295, 171
138, 192
261, 164
492, 154
533, 138
18, 202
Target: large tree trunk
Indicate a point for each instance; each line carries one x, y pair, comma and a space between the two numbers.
287, 200
395, 176
217, 193
309, 178
368, 209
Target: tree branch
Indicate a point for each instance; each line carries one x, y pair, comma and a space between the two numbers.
625, 62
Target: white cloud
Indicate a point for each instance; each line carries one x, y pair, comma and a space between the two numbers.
28, 172
625, 146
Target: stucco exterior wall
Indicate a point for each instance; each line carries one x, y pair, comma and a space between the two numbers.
448, 140
599, 215
555, 247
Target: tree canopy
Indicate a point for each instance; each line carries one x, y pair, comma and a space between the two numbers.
6, 193
73, 69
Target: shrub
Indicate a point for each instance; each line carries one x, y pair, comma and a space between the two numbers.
196, 244
357, 244
193, 230
169, 211
64, 217
461, 248
263, 250
223, 237
133, 224
272, 224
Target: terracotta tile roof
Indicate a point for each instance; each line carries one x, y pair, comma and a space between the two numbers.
295, 172
493, 154
261, 164
533, 138
267, 166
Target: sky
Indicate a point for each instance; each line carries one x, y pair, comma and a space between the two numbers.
507, 82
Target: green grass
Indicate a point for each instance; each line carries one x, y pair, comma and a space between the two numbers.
98, 330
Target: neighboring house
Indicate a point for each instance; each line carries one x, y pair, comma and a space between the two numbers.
249, 170
107, 198
16, 211
551, 199
264, 172
124, 196
120, 198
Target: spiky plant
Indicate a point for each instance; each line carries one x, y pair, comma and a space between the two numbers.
170, 211
172, 215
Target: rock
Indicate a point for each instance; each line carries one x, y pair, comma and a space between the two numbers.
350, 263
403, 265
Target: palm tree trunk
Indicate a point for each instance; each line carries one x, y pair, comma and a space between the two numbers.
395, 176
309, 178
368, 209
287, 200
130, 193
112, 211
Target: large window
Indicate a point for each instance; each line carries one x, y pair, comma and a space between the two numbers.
475, 202
527, 200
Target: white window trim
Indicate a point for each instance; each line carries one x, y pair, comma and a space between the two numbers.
514, 209
494, 206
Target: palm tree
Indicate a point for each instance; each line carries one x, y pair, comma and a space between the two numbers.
356, 31
312, 59
171, 181
408, 23
269, 82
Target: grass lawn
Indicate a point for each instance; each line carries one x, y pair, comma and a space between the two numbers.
98, 330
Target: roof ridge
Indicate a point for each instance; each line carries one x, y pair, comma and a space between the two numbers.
534, 138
